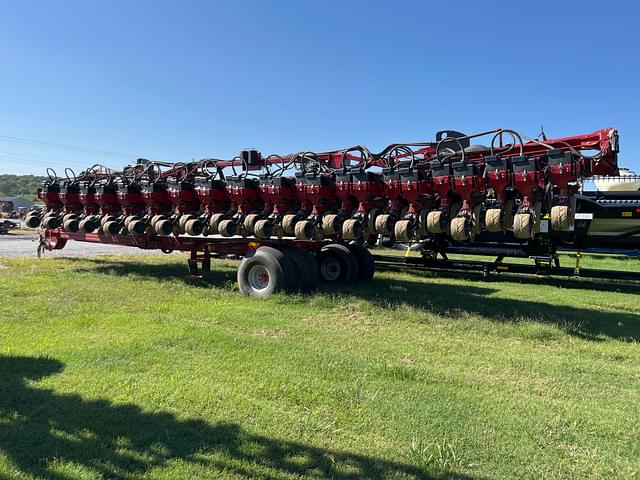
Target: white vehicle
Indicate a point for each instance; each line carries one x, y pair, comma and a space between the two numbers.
627, 181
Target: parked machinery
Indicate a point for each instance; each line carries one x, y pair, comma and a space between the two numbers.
443, 195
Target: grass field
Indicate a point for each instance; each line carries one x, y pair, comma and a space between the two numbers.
118, 367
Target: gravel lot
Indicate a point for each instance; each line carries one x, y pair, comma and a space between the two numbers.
24, 245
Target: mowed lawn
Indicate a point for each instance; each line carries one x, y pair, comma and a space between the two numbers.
118, 367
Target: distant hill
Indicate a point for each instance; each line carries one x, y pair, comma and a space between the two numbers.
20, 185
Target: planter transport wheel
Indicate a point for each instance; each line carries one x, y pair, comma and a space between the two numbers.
260, 275
334, 265
291, 279
353, 261
307, 267
366, 264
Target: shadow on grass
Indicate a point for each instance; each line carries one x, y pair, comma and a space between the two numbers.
426, 293
171, 270
121, 441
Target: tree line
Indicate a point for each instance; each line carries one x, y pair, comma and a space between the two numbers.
20, 185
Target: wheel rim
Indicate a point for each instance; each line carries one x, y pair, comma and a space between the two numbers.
258, 277
330, 269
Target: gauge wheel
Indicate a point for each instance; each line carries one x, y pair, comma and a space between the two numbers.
434, 222
263, 229
523, 226
304, 230
494, 219
288, 224
460, 230
560, 218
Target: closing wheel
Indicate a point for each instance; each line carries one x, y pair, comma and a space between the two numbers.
366, 264
163, 227
334, 265
107, 218
434, 222
523, 225
307, 267
71, 225
354, 270
182, 221
155, 219
227, 228
384, 224
51, 222
111, 228
88, 224
494, 220
422, 223
288, 224
371, 221
32, 221
404, 231
461, 229
304, 230
249, 222
352, 229
194, 227
69, 216
508, 213
127, 220
260, 275
560, 218
331, 224
136, 227
214, 221
263, 229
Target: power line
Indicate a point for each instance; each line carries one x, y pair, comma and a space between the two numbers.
62, 146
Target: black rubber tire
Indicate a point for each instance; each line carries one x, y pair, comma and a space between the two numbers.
71, 225
366, 264
291, 275
193, 227
271, 264
355, 268
163, 227
343, 259
136, 227
32, 221
307, 267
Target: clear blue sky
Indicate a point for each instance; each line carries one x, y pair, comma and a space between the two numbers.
181, 80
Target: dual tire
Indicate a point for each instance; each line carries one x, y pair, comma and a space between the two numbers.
270, 270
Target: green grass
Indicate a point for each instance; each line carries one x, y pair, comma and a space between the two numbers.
118, 367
